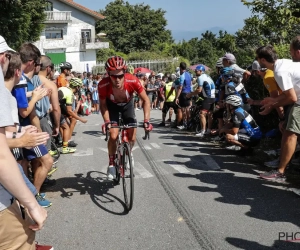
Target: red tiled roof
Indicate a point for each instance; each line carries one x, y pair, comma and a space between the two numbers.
83, 9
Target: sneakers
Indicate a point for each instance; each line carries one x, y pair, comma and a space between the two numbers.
53, 152
272, 164
181, 127
42, 201
234, 148
68, 150
162, 124
201, 134
72, 144
43, 247
273, 175
111, 172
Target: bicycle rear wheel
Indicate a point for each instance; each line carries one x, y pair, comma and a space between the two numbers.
128, 177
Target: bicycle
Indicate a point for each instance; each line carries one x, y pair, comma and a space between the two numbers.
123, 162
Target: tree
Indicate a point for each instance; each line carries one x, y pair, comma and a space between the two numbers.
133, 27
279, 19
21, 21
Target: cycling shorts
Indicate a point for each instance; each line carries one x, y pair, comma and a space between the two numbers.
126, 110
184, 101
208, 104
247, 140
168, 105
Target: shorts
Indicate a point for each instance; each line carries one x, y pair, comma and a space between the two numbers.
95, 101
136, 99
184, 101
154, 97
14, 229
36, 152
126, 110
18, 154
293, 123
45, 126
247, 140
150, 98
208, 104
168, 105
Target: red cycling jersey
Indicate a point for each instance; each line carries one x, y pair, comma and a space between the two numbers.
131, 85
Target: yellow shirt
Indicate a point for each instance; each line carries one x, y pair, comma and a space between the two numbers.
270, 83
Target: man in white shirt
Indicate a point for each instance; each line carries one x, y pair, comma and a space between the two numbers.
287, 76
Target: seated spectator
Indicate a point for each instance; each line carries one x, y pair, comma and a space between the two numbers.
242, 131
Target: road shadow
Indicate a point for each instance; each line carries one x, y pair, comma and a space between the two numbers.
251, 245
96, 133
93, 184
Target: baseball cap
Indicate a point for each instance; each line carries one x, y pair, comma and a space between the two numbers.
3, 45
229, 56
256, 66
200, 67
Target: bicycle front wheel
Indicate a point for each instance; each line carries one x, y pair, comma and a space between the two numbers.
128, 177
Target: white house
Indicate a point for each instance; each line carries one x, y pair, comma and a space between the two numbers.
69, 34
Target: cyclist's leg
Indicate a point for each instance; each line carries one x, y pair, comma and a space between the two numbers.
129, 118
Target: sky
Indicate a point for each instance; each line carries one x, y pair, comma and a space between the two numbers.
187, 17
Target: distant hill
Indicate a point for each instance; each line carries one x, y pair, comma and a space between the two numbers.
179, 35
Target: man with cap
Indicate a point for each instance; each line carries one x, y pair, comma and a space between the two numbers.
230, 61
206, 86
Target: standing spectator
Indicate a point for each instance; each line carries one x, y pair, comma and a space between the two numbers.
150, 90
62, 80
95, 97
181, 96
287, 76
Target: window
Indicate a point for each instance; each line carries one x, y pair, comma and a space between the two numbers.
54, 34
48, 6
86, 35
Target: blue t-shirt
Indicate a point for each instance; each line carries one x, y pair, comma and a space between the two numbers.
186, 82
207, 84
19, 92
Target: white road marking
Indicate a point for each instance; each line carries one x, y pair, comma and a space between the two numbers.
143, 172
171, 145
87, 152
180, 168
211, 162
155, 145
147, 147
134, 148
104, 149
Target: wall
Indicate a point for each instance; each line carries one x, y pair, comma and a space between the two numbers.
70, 44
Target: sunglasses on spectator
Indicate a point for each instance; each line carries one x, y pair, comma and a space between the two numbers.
38, 64
117, 76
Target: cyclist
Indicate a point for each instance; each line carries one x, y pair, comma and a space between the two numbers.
243, 131
65, 69
116, 96
66, 96
206, 86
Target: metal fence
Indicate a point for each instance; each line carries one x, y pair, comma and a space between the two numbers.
158, 65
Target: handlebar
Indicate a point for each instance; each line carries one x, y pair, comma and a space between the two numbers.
120, 127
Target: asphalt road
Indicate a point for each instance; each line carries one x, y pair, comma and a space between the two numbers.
189, 194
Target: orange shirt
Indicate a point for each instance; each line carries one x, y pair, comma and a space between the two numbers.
62, 81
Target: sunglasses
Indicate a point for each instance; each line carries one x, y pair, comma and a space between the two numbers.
117, 76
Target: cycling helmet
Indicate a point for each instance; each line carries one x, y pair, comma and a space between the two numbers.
219, 63
65, 65
234, 100
75, 82
115, 63
130, 69
200, 67
227, 72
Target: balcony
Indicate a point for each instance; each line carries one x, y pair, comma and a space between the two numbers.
93, 43
58, 16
